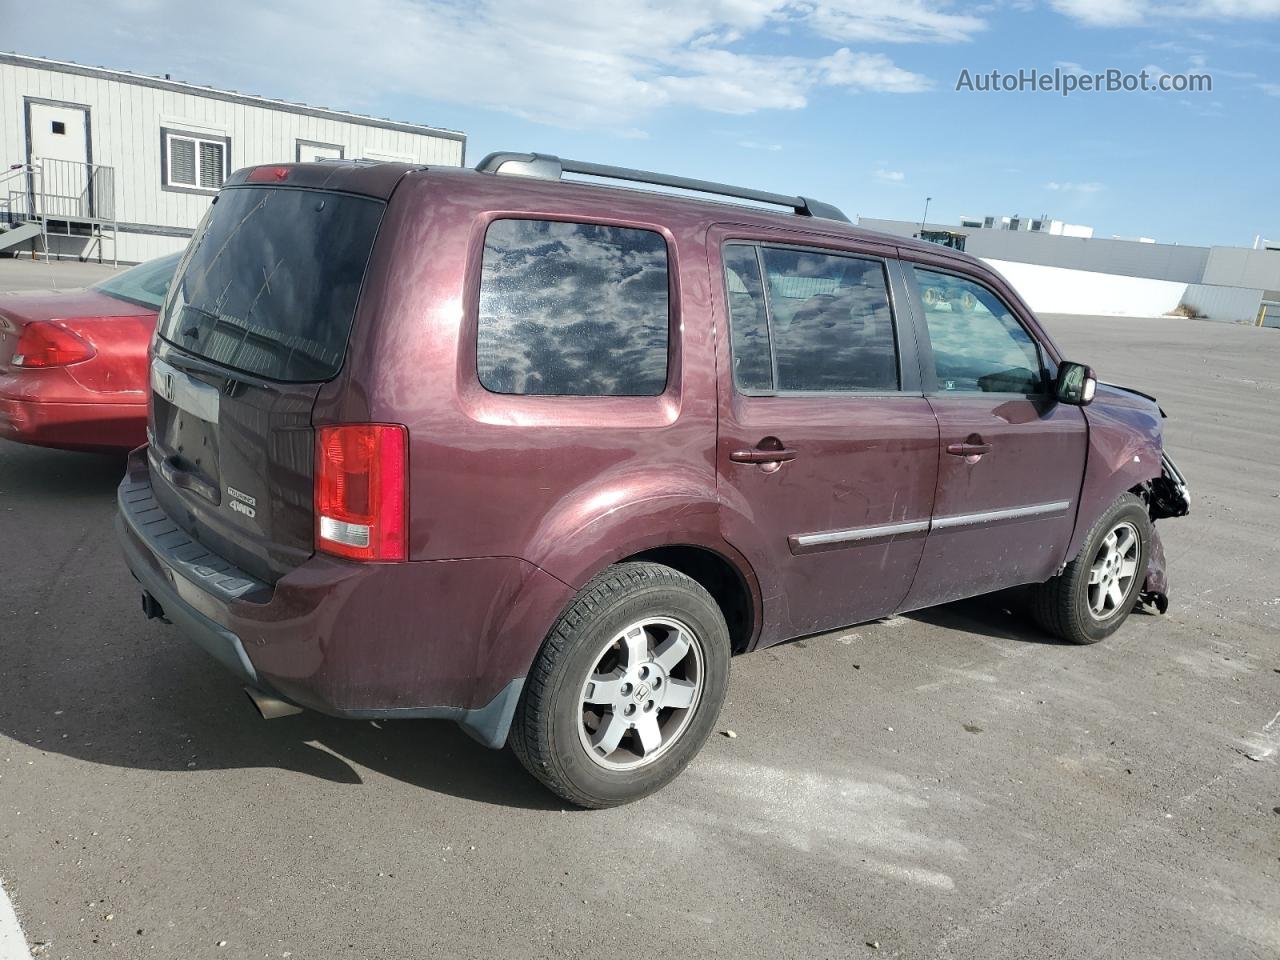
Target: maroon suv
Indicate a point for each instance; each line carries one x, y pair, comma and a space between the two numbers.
539, 455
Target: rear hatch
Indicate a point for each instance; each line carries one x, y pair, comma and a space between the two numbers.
256, 322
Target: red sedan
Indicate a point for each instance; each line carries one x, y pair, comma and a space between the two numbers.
73, 364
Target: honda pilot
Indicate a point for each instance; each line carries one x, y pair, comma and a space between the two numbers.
539, 454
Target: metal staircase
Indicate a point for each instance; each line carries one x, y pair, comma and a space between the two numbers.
47, 200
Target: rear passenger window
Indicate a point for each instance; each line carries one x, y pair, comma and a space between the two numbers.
809, 321
573, 309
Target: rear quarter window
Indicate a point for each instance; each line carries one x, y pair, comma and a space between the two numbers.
573, 309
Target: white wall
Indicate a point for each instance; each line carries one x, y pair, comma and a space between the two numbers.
126, 119
1237, 304
1233, 266
1059, 290
1123, 258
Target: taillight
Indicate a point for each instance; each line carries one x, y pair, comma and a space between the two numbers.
47, 343
361, 491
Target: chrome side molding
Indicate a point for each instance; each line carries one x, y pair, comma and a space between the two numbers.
803, 541
807, 542
991, 516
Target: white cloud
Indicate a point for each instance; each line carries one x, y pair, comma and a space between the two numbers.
869, 71
1102, 13
1270, 89
902, 22
1124, 13
890, 176
1071, 187
571, 64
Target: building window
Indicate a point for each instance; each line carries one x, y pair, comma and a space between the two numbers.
573, 309
193, 161
58, 127
309, 151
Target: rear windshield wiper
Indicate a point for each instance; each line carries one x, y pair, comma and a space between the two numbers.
185, 361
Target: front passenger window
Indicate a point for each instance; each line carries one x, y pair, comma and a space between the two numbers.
978, 345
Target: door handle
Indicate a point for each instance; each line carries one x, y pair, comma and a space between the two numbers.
968, 449
972, 449
756, 455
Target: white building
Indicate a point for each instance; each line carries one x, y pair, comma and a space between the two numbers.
1060, 273
1040, 224
108, 164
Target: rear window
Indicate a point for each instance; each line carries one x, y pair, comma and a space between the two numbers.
573, 309
271, 279
146, 284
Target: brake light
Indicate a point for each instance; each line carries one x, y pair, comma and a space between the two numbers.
267, 174
47, 343
361, 492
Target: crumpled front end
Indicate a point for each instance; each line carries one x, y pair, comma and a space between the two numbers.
1155, 588
1167, 496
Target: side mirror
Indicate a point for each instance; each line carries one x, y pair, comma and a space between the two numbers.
1076, 384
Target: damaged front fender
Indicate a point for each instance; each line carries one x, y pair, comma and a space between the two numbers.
1155, 587
1167, 496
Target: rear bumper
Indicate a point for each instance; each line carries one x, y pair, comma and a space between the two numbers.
73, 426
450, 638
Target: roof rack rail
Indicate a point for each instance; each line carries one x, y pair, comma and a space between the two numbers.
546, 167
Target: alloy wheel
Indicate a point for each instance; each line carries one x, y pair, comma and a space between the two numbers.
1114, 570
641, 693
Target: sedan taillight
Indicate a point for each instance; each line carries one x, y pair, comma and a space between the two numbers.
47, 343
361, 491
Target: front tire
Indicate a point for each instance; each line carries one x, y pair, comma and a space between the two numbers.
1096, 592
626, 688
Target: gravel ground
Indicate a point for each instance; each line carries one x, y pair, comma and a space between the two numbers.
948, 784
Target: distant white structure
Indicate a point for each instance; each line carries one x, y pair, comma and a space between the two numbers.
1041, 224
1062, 273
112, 165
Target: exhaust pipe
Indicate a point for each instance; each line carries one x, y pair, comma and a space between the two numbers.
151, 608
271, 708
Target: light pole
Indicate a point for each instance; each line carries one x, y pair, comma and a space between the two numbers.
925, 218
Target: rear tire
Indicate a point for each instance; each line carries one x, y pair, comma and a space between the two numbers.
1096, 592
626, 688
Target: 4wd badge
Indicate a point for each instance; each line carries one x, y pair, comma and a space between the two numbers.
242, 502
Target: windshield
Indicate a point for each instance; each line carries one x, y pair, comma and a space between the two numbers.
271, 281
146, 284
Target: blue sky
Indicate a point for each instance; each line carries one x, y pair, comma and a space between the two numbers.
852, 102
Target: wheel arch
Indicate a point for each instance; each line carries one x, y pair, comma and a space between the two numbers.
720, 577
1124, 456
674, 520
